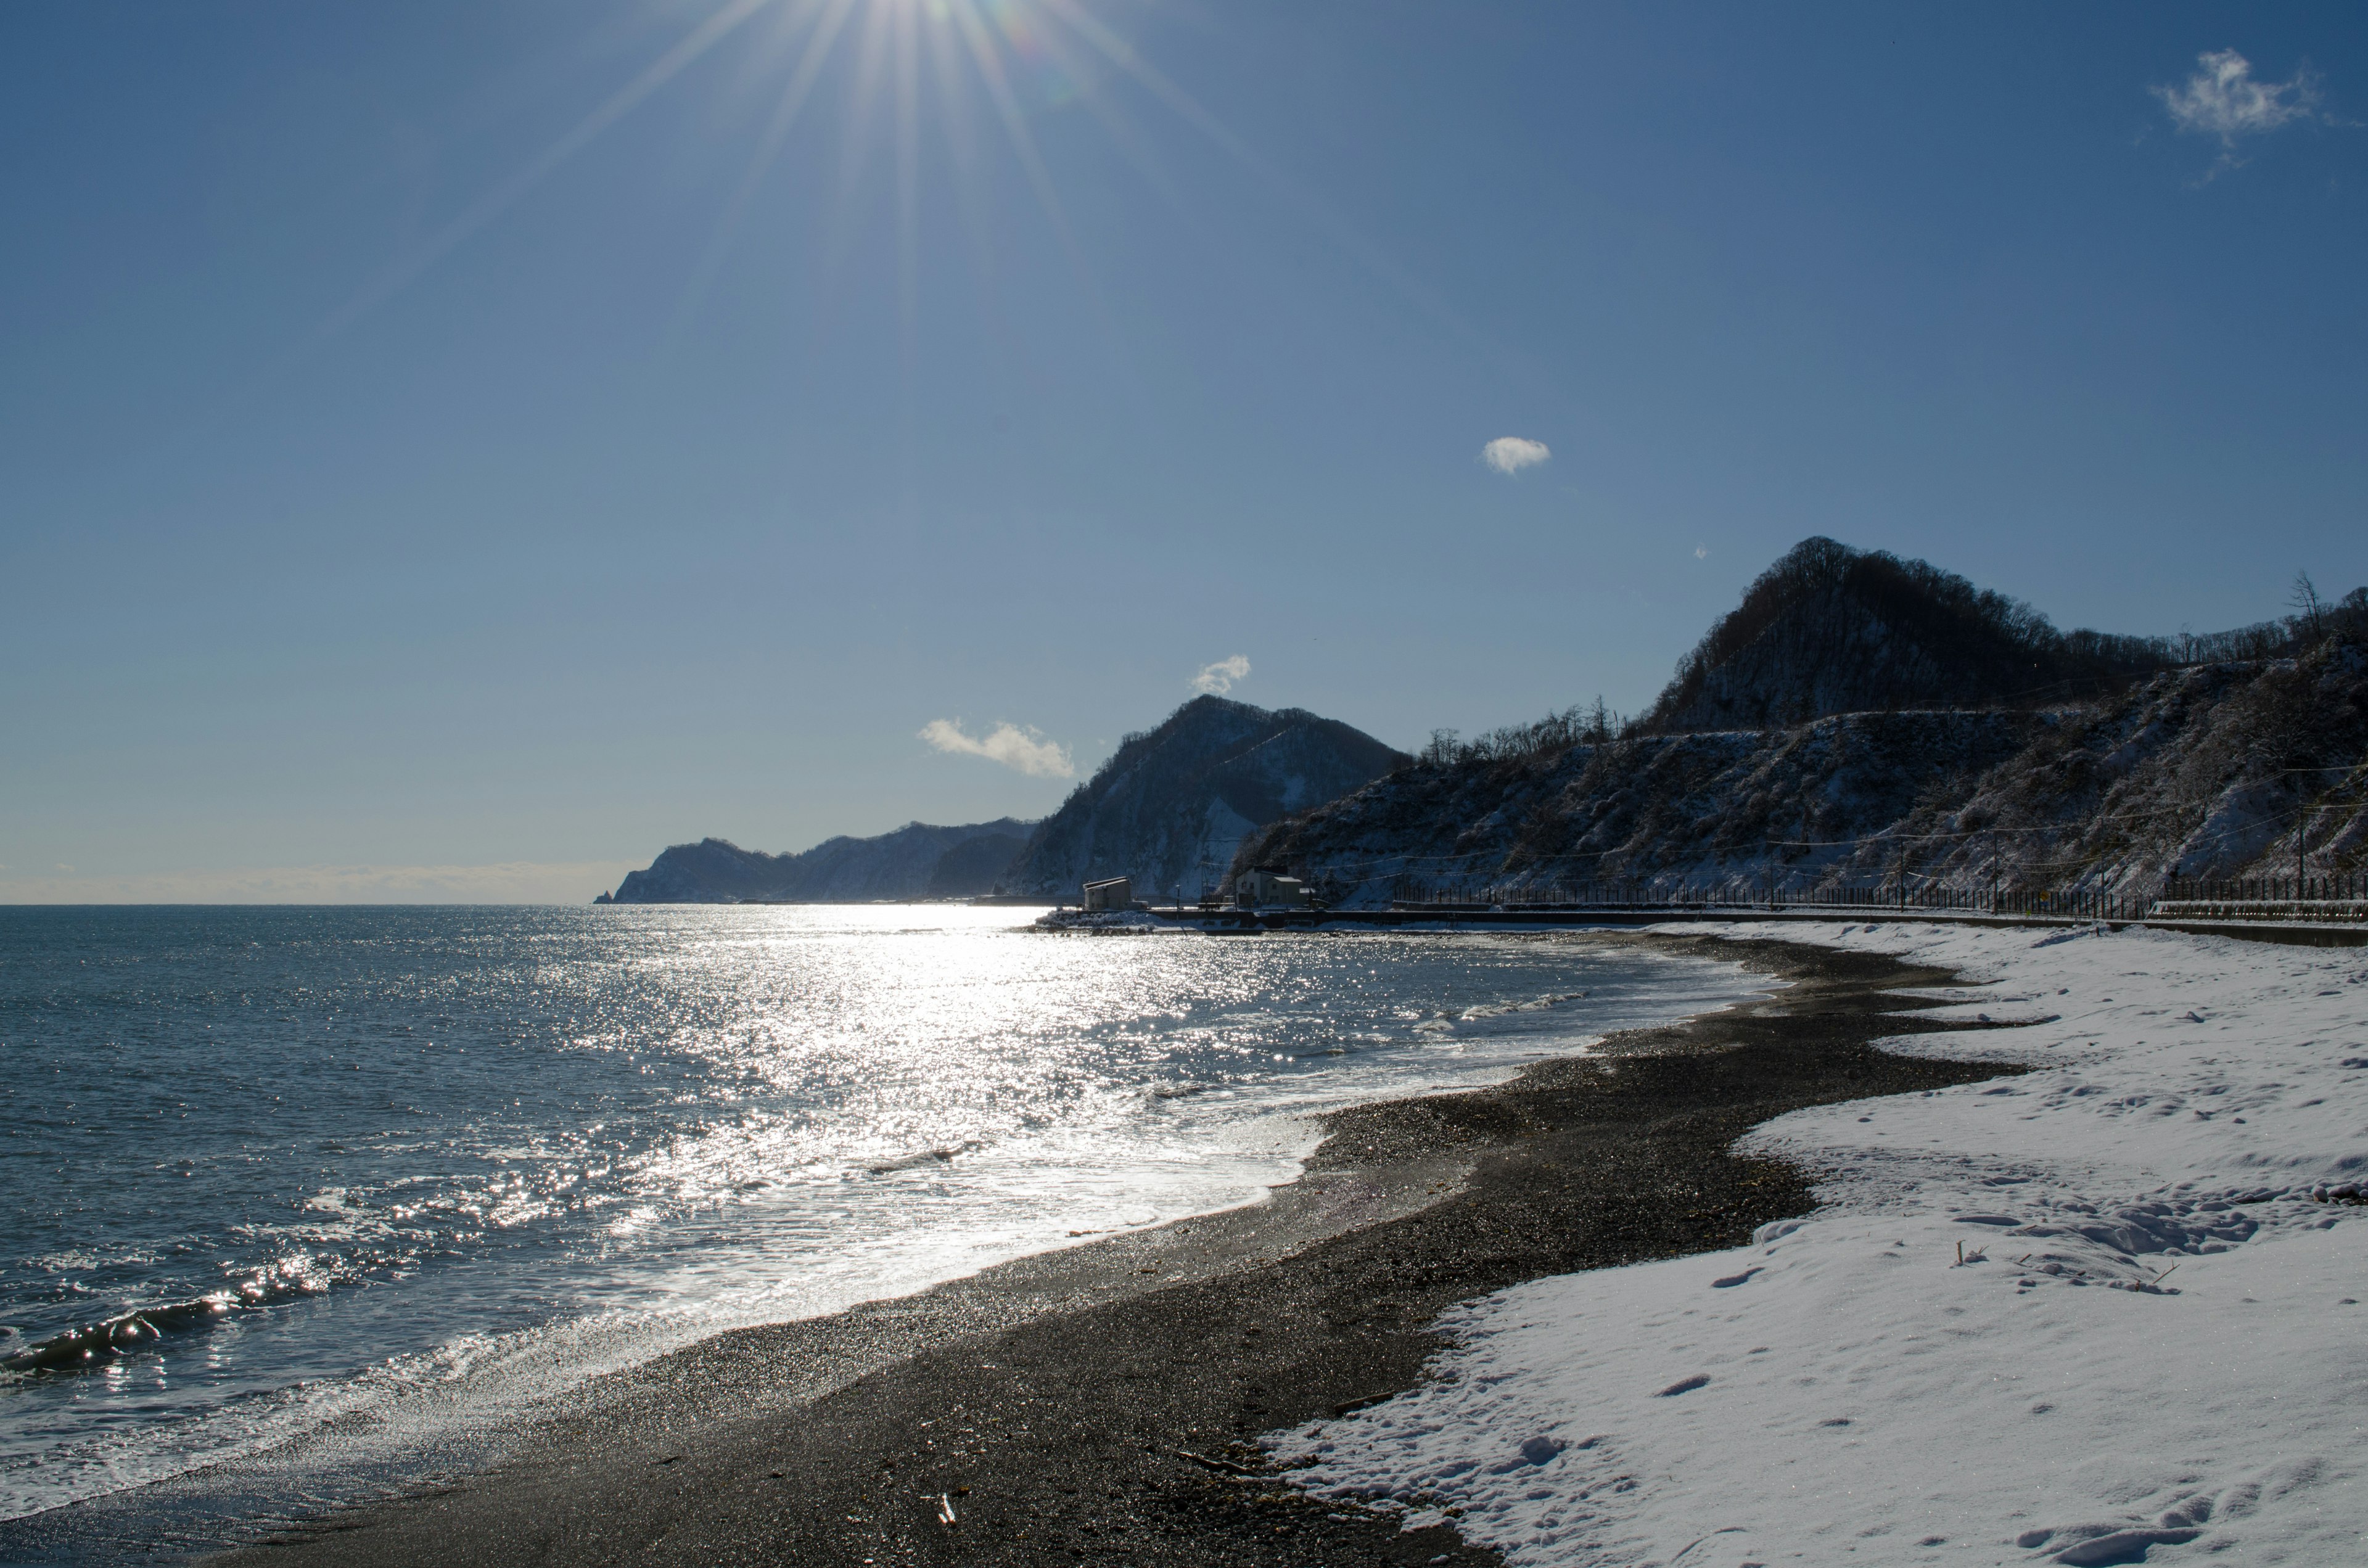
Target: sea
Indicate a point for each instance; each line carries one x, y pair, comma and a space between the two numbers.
297, 1202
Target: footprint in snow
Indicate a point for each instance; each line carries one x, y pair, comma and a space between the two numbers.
2092, 1545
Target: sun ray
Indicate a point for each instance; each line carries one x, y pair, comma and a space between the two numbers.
811, 60
505, 195
995, 40
871, 62
908, 240
908, 181
1113, 119
989, 61
946, 58
1318, 213
947, 61
1015, 123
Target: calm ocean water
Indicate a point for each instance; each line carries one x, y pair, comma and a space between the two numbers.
273, 1173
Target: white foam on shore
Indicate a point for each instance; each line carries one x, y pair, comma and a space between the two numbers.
777, 1253
2155, 1349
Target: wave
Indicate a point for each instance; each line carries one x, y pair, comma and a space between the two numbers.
922, 1158
109, 1337
1535, 1005
141, 1328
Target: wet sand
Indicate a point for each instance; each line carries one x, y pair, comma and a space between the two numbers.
1095, 1404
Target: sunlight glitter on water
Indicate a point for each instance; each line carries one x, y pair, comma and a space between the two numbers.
291, 1166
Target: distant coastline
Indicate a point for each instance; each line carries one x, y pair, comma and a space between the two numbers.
1169, 809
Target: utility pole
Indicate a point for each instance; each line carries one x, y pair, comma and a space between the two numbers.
1994, 870
2302, 820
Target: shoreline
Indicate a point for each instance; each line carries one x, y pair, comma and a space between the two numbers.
2103, 1309
470, 1413
1100, 1402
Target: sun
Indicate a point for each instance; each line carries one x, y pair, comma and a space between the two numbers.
985, 68
971, 78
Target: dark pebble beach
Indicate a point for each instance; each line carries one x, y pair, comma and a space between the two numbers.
1099, 1405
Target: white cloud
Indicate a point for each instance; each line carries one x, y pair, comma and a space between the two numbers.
2224, 100
1218, 678
520, 882
1702, 553
1010, 744
1511, 454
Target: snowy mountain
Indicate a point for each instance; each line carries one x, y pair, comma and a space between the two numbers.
918, 860
1832, 630
1169, 807
2180, 760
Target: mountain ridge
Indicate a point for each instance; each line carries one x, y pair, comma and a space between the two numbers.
918, 860
1169, 805
1827, 628
2192, 756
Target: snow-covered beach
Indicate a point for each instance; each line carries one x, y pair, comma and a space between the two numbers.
2152, 1349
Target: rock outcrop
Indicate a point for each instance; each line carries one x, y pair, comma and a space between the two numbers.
1831, 629
1865, 720
1170, 806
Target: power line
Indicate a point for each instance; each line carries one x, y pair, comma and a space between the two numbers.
1893, 835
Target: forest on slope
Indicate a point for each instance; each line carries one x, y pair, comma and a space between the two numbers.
1172, 805
1864, 721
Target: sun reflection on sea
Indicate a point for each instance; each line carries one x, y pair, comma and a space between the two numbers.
543, 1142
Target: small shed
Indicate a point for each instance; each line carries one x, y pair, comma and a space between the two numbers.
1110, 892
1267, 890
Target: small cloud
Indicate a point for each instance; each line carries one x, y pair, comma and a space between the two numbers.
2223, 100
1215, 680
1702, 553
1010, 744
1511, 454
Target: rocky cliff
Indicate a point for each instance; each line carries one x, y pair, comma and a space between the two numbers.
918, 861
2170, 764
1170, 806
1832, 630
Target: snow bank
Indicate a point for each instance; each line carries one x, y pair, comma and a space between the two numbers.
2154, 1349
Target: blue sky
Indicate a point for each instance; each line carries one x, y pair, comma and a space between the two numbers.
456, 449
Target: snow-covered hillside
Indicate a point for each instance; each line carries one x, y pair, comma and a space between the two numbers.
2192, 770
1169, 807
1832, 630
2198, 772
2110, 1310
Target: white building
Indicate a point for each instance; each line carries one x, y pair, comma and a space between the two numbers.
1264, 890
1113, 892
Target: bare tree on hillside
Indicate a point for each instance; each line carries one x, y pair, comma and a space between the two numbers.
2310, 610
